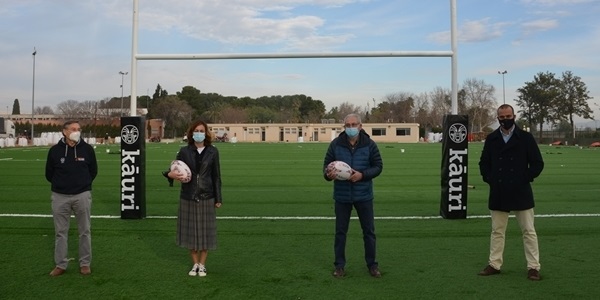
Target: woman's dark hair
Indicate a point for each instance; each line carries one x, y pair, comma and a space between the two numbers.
190, 133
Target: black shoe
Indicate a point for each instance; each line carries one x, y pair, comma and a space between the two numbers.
533, 274
339, 273
374, 271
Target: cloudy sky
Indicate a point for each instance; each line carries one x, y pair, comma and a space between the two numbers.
83, 44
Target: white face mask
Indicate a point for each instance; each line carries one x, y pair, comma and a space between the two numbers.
74, 136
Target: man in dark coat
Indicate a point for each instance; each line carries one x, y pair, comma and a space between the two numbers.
509, 162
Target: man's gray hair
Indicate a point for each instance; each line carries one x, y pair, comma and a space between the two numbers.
352, 116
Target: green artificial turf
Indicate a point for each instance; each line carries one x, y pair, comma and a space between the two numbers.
275, 231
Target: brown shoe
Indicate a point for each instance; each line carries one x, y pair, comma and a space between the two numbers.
489, 270
339, 273
533, 274
57, 271
85, 270
374, 271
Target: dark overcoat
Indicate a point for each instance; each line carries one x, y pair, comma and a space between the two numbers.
509, 168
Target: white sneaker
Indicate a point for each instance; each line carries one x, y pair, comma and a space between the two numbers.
201, 271
195, 270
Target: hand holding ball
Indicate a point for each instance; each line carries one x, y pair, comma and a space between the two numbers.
181, 168
342, 170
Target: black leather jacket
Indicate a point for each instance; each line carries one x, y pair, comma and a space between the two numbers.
206, 182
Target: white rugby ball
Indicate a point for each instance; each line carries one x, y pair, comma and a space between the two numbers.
181, 167
342, 169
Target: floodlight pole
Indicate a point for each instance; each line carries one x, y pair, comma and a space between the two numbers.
503, 90
122, 79
33, 94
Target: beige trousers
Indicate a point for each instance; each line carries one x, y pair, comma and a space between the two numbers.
530, 241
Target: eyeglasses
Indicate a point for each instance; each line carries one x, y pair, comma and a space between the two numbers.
351, 125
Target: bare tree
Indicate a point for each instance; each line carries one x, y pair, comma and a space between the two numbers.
106, 109
441, 105
88, 109
397, 107
69, 109
479, 102
345, 109
46, 110
421, 111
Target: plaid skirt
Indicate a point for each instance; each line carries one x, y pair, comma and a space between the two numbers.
197, 225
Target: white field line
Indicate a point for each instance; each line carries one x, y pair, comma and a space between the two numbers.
306, 217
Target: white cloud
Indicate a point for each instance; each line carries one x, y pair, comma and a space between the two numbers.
472, 31
241, 22
557, 2
538, 26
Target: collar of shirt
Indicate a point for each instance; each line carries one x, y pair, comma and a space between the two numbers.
507, 136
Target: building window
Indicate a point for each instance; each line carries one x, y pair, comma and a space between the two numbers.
402, 131
378, 132
290, 130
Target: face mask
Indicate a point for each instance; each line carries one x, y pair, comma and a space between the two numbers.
74, 136
199, 136
507, 123
352, 132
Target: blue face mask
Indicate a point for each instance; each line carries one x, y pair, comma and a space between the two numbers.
352, 131
198, 136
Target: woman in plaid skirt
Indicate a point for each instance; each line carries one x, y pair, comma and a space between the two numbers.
199, 197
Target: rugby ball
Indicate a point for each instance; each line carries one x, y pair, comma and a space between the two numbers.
342, 169
181, 167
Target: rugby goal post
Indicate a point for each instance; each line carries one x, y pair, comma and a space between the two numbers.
133, 203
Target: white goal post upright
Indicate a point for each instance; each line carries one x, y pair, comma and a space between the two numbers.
135, 56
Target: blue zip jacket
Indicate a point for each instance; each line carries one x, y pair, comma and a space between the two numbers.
364, 157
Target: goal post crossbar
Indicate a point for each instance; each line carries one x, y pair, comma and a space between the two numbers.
210, 56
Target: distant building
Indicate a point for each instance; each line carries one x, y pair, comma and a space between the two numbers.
258, 132
312, 132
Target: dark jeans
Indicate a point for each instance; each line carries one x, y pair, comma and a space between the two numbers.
343, 211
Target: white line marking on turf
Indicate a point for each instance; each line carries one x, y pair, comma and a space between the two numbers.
305, 217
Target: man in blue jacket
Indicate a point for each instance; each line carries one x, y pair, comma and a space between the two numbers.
354, 147
70, 168
510, 160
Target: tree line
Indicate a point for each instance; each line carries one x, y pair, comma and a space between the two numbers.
544, 100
